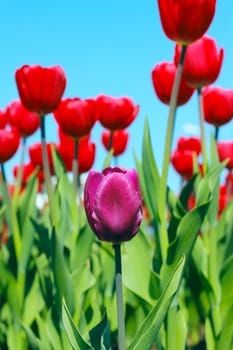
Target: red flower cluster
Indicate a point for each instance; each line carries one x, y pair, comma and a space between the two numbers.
119, 140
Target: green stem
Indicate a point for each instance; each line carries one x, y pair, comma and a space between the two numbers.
76, 176
202, 129
163, 237
19, 178
46, 170
119, 297
216, 133
110, 140
10, 216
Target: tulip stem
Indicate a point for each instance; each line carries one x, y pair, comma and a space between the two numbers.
202, 129
163, 237
110, 140
46, 170
76, 176
11, 218
119, 298
216, 133
20, 172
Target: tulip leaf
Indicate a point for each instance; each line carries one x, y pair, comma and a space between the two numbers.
76, 340
137, 276
100, 335
34, 341
177, 329
150, 172
62, 276
148, 331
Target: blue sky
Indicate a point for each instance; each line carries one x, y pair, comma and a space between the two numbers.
105, 46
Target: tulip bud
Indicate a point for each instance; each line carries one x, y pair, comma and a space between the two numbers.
113, 204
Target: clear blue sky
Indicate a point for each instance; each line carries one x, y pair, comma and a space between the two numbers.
104, 46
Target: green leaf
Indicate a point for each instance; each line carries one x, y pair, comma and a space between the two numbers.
34, 341
150, 172
101, 334
187, 232
137, 276
147, 333
62, 276
77, 342
177, 330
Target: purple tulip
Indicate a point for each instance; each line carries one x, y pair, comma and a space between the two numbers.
113, 204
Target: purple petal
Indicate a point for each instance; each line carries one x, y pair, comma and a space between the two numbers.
93, 180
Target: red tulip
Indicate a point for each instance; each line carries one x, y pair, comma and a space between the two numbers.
86, 152
40, 89
163, 76
116, 113
183, 162
76, 117
9, 143
119, 142
3, 119
182, 158
21, 118
202, 62
218, 105
189, 143
225, 151
35, 154
186, 21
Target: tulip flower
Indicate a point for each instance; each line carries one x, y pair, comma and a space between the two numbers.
183, 163
76, 117
86, 153
189, 143
225, 151
9, 143
182, 158
119, 142
186, 21
202, 62
3, 119
218, 105
40, 89
113, 204
21, 118
163, 76
115, 113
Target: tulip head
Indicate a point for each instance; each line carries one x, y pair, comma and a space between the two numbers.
113, 204
40, 89
119, 141
225, 151
76, 117
186, 21
115, 113
9, 143
21, 118
203, 62
163, 76
217, 105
